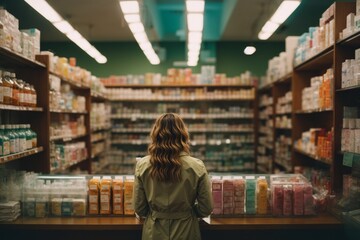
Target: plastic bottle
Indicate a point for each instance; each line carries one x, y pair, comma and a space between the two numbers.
22, 137
33, 97
1, 88
11, 137
5, 141
17, 138
29, 136
15, 92
8, 85
22, 101
33, 137
27, 95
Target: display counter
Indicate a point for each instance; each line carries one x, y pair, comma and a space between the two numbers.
315, 227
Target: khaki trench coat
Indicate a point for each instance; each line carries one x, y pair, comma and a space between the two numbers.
171, 210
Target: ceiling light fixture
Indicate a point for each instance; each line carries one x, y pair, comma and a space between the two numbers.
249, 50
131, 11
286, 8
195, 26
49, 13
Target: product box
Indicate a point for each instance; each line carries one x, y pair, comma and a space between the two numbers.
228, 195
105, 195
128, 195
217, 191
118, 195
94, 195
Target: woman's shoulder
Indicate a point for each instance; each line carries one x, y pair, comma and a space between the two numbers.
142, 164
194, 163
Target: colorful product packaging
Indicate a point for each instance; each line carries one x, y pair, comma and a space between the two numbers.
94, 195
128, 195
261, 196
228, 196
217, 188
105, 195
239, 196
118, 195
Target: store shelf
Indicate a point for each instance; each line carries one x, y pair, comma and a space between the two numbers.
262, 169
71, 82
265, 88
265, 105
97, 154
20, 108
279, 164
98, 97
179, 85
133, 142
10, 59
283, 128
313, 111
67, 111
284, 80
98, 140
314, 157
352, 40
319, 61
19, 155
348, 89
95, 128
67, 138
181, 99
282, 114
153, 116
190, 130
63, 168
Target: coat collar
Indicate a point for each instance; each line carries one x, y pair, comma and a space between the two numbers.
183, 154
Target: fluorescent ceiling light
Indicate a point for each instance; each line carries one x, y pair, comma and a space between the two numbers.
101, 59
195, 6
191, 64
136, 27
64, 27
132, 18
141, 37
129, 7
194, 37
249, 50
145, 46
285, 9
195, 22
42, 7
264, 35
194, 47
270, 27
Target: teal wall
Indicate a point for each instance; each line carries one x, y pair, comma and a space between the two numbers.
127, 57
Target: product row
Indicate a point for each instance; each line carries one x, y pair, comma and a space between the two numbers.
181, 77
179, 94
16, 138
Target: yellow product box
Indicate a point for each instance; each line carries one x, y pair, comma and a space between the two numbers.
128, 195
56, 206
79, 207
118, 195
94, 195
105, 195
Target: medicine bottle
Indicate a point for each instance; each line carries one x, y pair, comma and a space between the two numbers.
15, 92
33, 96
12, 138
27, 95
21, 93
1, 88
8, 85
5, 141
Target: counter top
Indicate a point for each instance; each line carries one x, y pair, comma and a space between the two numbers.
132, 223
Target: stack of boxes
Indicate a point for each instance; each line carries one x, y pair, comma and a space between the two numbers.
318, 95
350, 71
217, 190
352, 23
128, 195
228, 196
250, 195
239, 195
317, 39
350, 135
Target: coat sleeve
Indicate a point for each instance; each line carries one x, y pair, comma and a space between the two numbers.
141, 206
204, 205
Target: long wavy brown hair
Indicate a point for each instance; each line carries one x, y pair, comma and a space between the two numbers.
169, 137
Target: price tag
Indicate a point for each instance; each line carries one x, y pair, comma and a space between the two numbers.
348, 159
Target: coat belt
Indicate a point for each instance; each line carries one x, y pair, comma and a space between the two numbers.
171, 215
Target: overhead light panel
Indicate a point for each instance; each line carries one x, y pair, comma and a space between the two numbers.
195, 6
132, 18
131, 11
195, 26
249, 50
128, 7
44, 9
195, 22
136, 27
286, 8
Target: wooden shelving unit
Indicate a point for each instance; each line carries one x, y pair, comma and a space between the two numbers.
20, 155
131, 130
